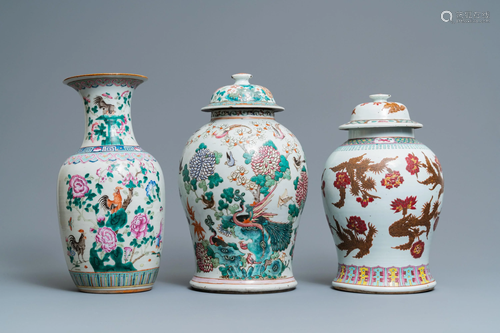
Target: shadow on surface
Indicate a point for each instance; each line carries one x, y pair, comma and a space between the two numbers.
316, 279
52, 280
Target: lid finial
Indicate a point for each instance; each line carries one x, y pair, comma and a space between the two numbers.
241, 79
380, 97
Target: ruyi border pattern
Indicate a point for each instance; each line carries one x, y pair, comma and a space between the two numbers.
105, 82
384, 276
381, 143
109, 156
115, 279
99, 149
242, 113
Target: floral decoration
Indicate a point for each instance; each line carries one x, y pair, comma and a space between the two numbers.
78, 185
107, 238
139, 225
399, 205
392, 179
412, 164
417, 249
342, 180
357, 224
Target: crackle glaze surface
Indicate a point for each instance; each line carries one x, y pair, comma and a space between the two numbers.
243, 182
382, 197
110, 195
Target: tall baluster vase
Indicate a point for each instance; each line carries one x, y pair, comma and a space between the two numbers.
110, 194
383, 193
243, 182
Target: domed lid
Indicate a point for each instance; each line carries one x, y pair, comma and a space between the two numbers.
380, 113
242, 94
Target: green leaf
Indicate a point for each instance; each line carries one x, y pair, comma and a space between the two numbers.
185, 174
193, 184
119, 237
187, 187
296, 183
203, 185
222, 205
269, 181
139, 210
202, 146
217, 157
96, 208
99, 188
293, 210
270, 143
228, 194
234, 208
218, 215
214, 180
248, 156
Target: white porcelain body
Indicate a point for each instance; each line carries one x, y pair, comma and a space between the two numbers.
382, 194
243, 231
110, 196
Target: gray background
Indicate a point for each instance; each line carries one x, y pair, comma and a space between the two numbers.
320, 59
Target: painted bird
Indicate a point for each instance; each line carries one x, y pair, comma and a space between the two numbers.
112, 205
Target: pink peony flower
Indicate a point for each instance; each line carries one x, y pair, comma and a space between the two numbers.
79, 186
139, 225
301, 194
91, 229
266, 161
101, 218
107, 238
130, 178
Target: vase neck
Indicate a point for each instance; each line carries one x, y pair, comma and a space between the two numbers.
107, 102
359, 133
242, 113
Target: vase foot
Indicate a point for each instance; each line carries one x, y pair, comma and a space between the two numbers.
123, 290
384, 290
242, 286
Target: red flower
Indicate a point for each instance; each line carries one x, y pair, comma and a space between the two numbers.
403, 205
364, 202
357, 224
417, 249
392, 180
412, 164
342, 180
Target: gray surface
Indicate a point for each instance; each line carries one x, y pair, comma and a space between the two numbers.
320, 59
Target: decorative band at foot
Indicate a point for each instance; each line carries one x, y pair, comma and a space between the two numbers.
114, 279
384, 276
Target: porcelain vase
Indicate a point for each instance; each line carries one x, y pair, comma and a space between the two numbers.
110, 194
243, 183
382, 193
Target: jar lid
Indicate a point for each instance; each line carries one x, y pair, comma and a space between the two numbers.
380, 113
242, 94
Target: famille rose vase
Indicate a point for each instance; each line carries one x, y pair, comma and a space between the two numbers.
382, 193
110, 194
243, 183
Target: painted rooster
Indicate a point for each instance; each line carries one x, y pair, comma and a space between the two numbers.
112, 205
79, 246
